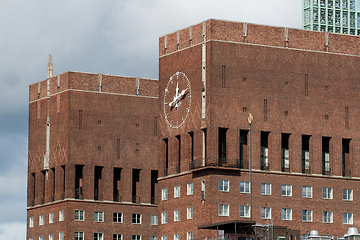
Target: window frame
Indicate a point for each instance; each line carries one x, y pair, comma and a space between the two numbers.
327, 218
265, 188
51, 218
154, 220
136, 218
81, 237
190, 235
100, 236
177, 236
305, 189
265, 213
61, 215
189, 213
98, 216
41, 220
190, 189
117, 236
245, 184
164, 217
153, 238
116, 216
177, 191
349, 197
135, 237
245, 211
164, 194
79, 215
32, 222
348, 220
163, 237
286, 190
327, 193
177, 215
223, 185
286, 214
61, 235
224, 210
305, 215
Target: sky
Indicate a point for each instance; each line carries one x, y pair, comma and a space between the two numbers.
118, 37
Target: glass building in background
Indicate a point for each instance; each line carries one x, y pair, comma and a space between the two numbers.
336, 16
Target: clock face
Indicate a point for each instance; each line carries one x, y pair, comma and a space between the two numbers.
177, 100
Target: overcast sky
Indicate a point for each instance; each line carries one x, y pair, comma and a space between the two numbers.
109, 37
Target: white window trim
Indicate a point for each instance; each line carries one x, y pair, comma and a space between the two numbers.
177, 191
41, 220
225, 210
306, 191
98, 216
285, 216
325, 220
246, 213
32, 222
51, 218
245, 183
267, 191
79, 215
177, 215
269, 215
190, 189
190, 211
350, 198
118, 217
328, 193
164, 194
221, 183
306, 218
348, 220
137, 214
61, 215
155, 218
286, 190
163, 217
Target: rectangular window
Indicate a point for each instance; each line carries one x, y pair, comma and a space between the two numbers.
264, 151
243, 149
326, 155
244, 187
163, 237
61, 215
285, 162
347, 194
153, 238
163, 217
190, 188
32, 222
306, 192
79, 215
117, 217
79, 236
265, 213
223, 209
327, 217
177, 236
164, 194
327, 193
98, 216
223, 185
135, 237
190, 235
244, 211
154, 219
286, 190
51, 217
305, 145
98, 236
222, 145
266, 188
136, 218
41, 220
176, 191
190, 213
346, 167
117, 236
41, 238
307, 215
347, 218
51, 236
176, 215
61, 235
286, 214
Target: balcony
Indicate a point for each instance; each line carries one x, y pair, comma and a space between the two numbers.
214, 162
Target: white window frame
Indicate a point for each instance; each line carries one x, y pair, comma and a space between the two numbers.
117, 236
100, 236
51, 236
80, 235
347, 218
154, 220
164, 194
190, 235
163, 238
153, 238
266, 188
136, 218
32, 222
245, 211
224, 210
347, 194
190, 188
327, 217
224, 185
98, 216
327, 193
61, 235
286, 190
177, 191
177, 215
79, 215
177, 236
41, 220
189, 213
265, 213
116, 216
307, 215
61, 215
306, 192
163, 217
286, 214
51, 217
41, 238
245, 187
135, 237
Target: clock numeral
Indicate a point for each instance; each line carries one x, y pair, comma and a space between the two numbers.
188, 109
166, 90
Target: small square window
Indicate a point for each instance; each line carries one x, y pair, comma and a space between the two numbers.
117, 236
32, 222
98, 216
266, 188
176, 191
244, 187
286, 214
286, 190
223, 185
244, 211
164, 194
79, 215
223, 209
327, 193
136, 218
41, 220
154, 219
98, 236
190, 188
327, 217
176, 215
163, 217
347, 194
177, 236
79, 236
306, 192
117, 217
61, 215
347, 218
266, 213
307, 215
190, 213
135, 237
190, 235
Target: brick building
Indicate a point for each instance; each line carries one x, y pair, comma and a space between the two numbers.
144, 159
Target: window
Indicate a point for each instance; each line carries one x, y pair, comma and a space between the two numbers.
223, 210
307, 215
154, 219
61, 236
244, 187
163, 217
347, 194
286, 190
61, 215
51, 217
164, 194
176, 191
153, 238
327, 193
190, 213
117, 236
190, 188
79, 236
117, 217
306, 192
98, 236
177, 236
223, 185
327, 217
286, 214
176, 215
244, 211
51, 236
31, 238
98, 216
266, 188
135, 237
79, 215
190, 235
347, 218
136, 218
163, 237
32, 222
41, 238
41, 220
266, 213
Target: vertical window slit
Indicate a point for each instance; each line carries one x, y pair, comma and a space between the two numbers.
326, 156
265, 110
346, 169
154, 176
306, 84
97, 183
116, 187
135, 183
178, 147
305, 146
79, 181
285, 161
118, 148
155, 126
223, 76
243, 149
166, 152
346, 117
53, 184
63, 182
80, 119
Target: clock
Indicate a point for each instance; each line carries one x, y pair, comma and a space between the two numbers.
177, 100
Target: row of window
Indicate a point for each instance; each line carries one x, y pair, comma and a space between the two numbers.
51, 237
190, 191
189, 215
286, 214
51, 218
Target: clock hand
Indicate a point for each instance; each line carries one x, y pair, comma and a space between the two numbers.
177, 97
